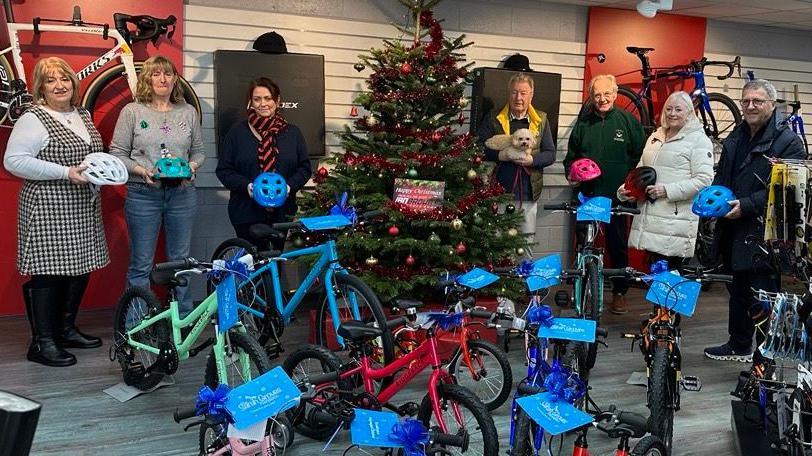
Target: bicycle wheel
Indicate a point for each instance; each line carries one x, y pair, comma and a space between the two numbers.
705, 251
212, 437
351, 291
135, 306
245, 360
6, 90
649, 446
302, 363
627, 100
523, 435
590, 308
573, 355
491, 364
262, 329
725, 117
110, 88
662, 386
462, 410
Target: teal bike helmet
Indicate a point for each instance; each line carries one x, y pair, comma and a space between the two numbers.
172, 168
712, 201
270, 190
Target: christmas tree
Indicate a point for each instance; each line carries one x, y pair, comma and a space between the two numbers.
408, 140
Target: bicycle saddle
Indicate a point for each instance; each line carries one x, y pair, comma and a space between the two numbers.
168, 278
637, 50
628, 423
406, 303
358, 331
265, 232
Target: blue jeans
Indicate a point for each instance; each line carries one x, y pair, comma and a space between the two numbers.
145, 209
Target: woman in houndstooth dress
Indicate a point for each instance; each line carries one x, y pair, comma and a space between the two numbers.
60, 237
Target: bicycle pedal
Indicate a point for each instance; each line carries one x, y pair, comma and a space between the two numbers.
408, 409
133, 373
691, 383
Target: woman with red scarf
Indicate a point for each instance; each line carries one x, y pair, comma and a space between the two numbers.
263, 142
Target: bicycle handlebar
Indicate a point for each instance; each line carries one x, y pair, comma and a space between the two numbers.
148, 27
368, 215
460, 441
184, 414
570, 207
188, 263
699, 65
317, 379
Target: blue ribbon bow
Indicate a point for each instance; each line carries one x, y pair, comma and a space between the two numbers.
412, 435
659, 266
447, 321
525, 268
341, 208
232, 266
213, 403
562, 384
541, 314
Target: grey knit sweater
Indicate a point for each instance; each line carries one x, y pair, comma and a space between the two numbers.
141, 131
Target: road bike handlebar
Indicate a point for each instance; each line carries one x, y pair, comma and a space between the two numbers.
148, 27
735, 64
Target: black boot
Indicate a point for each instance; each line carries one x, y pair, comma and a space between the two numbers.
41, 304
70, 337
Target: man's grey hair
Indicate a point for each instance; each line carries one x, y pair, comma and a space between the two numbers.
518, 78
609, 77
763, 84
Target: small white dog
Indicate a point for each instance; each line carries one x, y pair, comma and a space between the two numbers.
518, 146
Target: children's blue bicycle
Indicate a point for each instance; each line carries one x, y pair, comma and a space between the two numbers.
345, 296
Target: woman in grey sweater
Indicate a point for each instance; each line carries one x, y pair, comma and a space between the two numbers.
157, 124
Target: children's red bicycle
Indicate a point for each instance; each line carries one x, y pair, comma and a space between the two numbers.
448, 409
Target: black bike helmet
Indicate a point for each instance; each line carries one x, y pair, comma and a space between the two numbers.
638, 179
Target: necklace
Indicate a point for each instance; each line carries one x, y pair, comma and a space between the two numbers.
68, 116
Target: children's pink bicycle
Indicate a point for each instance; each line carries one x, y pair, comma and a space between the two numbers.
448, 410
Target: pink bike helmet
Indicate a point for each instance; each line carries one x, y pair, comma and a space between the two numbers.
583, 170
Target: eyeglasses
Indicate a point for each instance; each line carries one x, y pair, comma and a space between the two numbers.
604, 95
755, 102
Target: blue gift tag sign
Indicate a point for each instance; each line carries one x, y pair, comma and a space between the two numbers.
598, 208
578, 329
668, 289
262, 398
477, 278
545, 273
226, 303
554, 417
373, 428
325, 222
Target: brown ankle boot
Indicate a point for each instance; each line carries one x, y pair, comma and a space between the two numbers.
618, 305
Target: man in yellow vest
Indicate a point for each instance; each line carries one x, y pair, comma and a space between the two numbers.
522, 177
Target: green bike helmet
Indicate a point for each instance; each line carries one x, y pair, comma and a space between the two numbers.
172, 168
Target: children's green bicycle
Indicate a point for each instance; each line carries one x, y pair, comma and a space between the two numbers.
147, 350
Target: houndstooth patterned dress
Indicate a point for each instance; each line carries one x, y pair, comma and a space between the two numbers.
60, 230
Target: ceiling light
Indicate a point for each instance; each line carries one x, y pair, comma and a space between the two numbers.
649, 8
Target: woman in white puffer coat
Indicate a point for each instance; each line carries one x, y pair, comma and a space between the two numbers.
682, 155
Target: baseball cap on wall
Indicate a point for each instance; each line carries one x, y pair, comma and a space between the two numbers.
271, 42
517, 62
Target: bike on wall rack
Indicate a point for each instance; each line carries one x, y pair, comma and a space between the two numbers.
14, 95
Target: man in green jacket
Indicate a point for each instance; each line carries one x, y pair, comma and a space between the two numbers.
614, 139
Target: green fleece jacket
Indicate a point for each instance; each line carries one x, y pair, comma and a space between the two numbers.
614, 142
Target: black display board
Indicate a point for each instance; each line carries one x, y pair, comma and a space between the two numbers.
490, 90
300, 78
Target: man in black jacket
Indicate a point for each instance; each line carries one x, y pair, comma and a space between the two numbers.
745, 169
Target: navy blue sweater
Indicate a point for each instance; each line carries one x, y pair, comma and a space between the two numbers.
238, 166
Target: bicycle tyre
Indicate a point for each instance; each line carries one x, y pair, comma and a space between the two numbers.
627, 100
156, 335
662, 384
212, 437
573, 355
346, 285
6, 77
459, 370
295, 365
591, 294
649, 446
726, 116
523, 435
705, 250
483, 438
260, 328
237, 344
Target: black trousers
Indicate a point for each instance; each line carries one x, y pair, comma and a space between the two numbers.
740, 325
616, 246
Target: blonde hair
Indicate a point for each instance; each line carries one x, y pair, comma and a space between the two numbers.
689, 105
43, 69
520, 77
143, 90
597, 78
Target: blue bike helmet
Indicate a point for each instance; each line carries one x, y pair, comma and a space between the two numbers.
712, 201
172, 168
270, 190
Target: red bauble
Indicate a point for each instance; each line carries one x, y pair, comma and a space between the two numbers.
478, 160
436, 136
489, 266
406, 68
495, 208
321, 175
461, 248
354, 112
410, 260
393, 230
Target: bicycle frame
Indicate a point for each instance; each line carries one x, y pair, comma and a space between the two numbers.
586, 252
414, 362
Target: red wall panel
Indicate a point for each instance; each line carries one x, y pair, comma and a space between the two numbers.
107, 284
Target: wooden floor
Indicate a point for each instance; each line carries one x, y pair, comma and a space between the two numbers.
79, 419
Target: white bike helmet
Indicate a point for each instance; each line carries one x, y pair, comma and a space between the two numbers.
104, 169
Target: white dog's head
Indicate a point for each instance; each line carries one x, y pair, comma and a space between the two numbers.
523, 139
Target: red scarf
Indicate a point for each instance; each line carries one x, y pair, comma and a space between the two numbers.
268, 128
